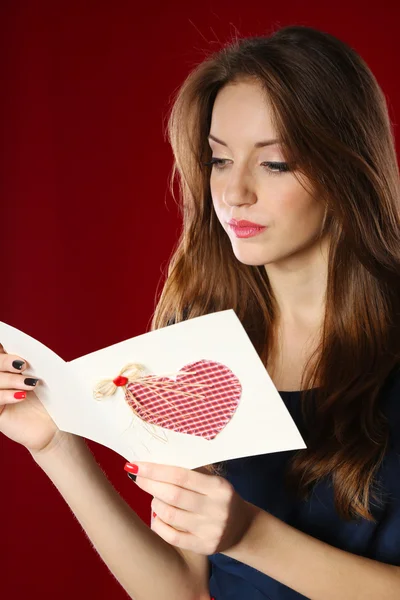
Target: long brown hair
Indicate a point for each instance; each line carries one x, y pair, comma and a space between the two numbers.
333, 119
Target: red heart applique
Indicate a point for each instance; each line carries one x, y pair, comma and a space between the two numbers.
205, 415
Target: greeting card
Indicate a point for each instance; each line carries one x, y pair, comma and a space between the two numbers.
189, 394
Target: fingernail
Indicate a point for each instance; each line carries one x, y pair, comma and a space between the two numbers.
131, 476
20, 395
131, 468
30, 381
18, 364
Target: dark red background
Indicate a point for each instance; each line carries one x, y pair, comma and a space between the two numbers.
85, 92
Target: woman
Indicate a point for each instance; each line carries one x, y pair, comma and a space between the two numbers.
290, 132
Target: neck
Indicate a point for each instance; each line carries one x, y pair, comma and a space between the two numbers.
299, 286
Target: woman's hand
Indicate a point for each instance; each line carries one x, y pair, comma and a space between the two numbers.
195, 510
23, 420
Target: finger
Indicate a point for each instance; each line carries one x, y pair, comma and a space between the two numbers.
12, 363
20, 382
12, 397
173, 495
181, 539
180, 519
201, 483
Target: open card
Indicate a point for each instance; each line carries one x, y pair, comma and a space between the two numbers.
202, 394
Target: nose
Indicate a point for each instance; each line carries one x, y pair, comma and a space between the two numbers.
237, 190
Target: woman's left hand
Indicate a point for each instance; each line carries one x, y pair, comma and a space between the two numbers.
195, 510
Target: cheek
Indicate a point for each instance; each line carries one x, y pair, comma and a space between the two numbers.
216, 193
304, 216
217, 204
295, 208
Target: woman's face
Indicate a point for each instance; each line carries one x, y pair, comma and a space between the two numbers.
244, 187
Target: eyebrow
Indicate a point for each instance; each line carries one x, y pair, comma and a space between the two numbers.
256, 145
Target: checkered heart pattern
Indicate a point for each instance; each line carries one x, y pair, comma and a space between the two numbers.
205, 415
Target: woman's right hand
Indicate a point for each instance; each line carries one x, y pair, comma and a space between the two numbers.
25, 420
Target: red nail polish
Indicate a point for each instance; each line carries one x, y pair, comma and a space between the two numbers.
154, 515
131, 468
20, 395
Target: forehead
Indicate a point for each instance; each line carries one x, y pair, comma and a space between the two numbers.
259, 144
242, 113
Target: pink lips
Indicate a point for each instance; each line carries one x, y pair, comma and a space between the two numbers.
246, 231
243, 223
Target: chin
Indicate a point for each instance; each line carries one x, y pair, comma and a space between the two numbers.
252, 260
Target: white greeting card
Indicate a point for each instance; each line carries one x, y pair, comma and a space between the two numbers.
191, 394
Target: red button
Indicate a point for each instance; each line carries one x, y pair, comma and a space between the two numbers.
120, 380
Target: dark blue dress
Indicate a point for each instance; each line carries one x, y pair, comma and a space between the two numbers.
259, 480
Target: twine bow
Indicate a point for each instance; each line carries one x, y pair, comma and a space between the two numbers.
132, 373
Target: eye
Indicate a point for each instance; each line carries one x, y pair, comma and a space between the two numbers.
277, 167
272, 167
219, 163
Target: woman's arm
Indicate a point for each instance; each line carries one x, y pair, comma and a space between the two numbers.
145, 565
311, 567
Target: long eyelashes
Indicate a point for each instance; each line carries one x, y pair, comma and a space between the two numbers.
281, 167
